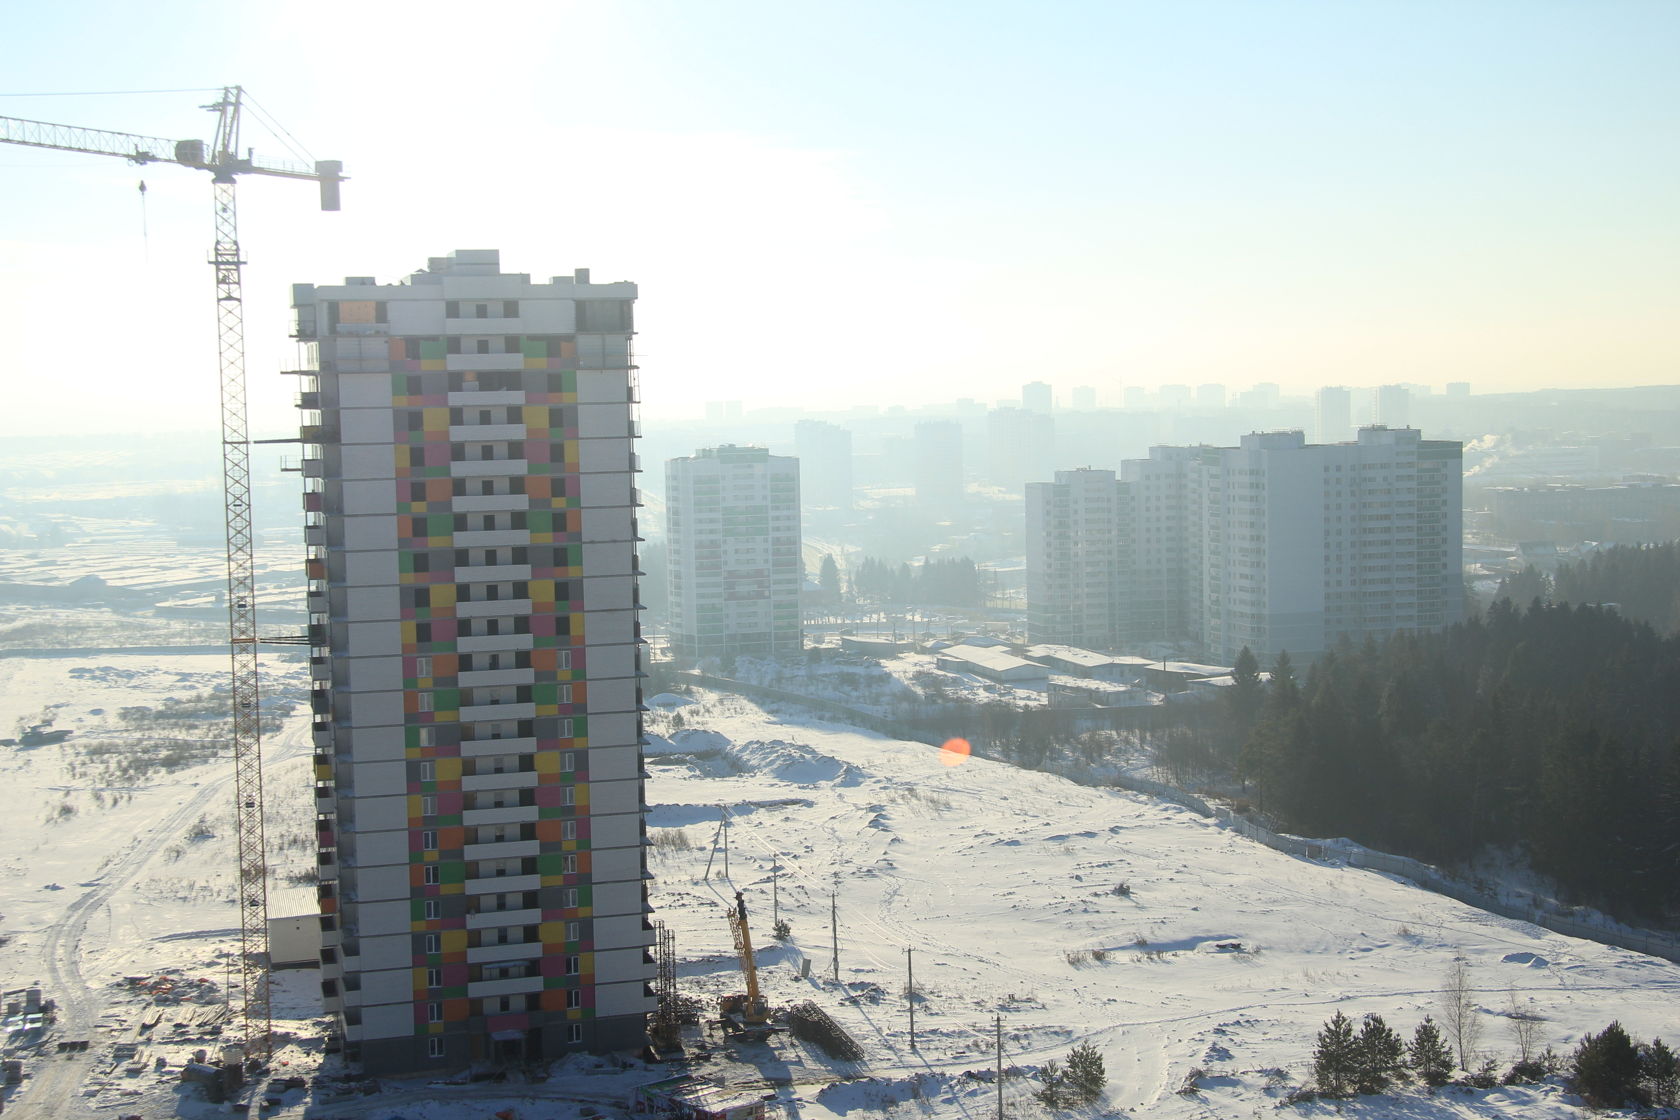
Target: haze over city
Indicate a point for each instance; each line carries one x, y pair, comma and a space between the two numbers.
755, 561
885, 203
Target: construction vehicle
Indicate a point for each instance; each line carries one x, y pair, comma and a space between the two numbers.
744, 1012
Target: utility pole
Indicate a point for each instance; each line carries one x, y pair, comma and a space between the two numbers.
997, 1022
834, 928
910, 990
725, 827
775, 912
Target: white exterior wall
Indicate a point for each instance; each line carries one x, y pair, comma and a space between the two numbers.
417, 758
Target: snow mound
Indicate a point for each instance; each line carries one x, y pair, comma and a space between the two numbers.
669, 700
693, 740
795, 763
1527, 960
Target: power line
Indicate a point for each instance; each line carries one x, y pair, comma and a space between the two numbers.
110, 92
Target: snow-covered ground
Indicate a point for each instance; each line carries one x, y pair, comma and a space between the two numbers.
1219, 955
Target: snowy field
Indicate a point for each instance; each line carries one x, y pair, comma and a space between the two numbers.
1219, 955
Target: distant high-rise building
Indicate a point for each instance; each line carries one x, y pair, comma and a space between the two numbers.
736, 569
1035, 396
1394, 406
723, 410
1210, 396
1458, 390
825, 464
1333, 411
1262, 395
1174, 396
1075, 559
1273, 545
1084, 398
939, 467
1018, 446
1135, 396
470, 502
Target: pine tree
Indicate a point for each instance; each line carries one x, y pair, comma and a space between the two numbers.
1605, 1068
828, 578
1086, 1078
1428, 1054
1336, 1057
1661, 1068
1380, 1054
1053, 1093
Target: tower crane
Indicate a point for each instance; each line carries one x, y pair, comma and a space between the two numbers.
222, 158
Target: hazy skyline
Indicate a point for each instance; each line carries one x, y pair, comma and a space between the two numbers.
880, 203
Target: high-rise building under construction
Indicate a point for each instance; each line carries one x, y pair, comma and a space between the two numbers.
471, 527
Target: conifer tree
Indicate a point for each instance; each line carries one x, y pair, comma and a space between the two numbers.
1381, 1056
1336, 1057
1605, 1068
1428, 1054
1086, 1078
1662, 1074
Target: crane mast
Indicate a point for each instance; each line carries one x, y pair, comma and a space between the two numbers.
223, 161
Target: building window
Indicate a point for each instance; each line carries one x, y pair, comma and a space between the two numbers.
434, 1012
434, 978
565, 729
574, 930
570, 900
428, 805
568, 762
574, 1033
430, 874
428, 771
568, 795
428, 840
423, 702
574, 998
422, 666
434, 909
426, 737
431, 943
568, 830
434, 1046
574, 965
569, 864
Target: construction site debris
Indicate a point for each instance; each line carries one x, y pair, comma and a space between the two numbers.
810, 1023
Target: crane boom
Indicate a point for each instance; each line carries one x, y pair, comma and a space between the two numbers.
222, 160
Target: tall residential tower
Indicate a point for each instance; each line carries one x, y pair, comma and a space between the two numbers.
471, 526
736, 568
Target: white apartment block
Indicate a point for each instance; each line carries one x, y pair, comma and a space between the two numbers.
1275, 545
471, 530
735, 560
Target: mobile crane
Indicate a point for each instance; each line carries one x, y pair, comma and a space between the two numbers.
745, 1012
222, 159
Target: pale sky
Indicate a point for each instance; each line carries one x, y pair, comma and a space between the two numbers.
882, 203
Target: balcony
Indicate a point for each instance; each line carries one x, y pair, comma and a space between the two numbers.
477, 468
483, 433
513, 779
478, 748
502, 849
513, 814
493, 608
475, 712
490, 919
492, 954
485, 677
489, 988
502, 884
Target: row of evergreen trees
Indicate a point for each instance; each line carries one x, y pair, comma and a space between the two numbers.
1609, 1069
1643, 581
946, 583
1551, 730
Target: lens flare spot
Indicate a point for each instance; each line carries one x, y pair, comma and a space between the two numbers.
954, 752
